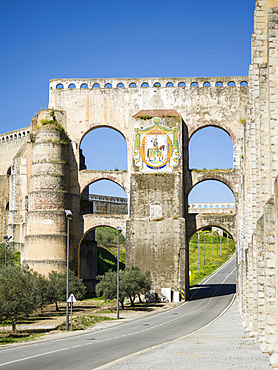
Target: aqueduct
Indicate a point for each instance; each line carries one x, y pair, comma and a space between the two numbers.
43, 173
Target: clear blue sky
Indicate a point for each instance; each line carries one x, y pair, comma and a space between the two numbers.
44, 40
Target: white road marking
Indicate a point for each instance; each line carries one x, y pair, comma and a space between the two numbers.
39, 355
152, 327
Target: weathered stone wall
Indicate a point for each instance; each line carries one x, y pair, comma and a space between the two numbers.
45, 248
256, 222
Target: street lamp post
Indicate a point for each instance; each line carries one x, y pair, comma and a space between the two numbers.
69, 217
119, 230
6, 238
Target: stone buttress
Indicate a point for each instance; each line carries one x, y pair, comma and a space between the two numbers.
46, 221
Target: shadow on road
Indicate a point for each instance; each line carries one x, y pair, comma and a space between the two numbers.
211, 290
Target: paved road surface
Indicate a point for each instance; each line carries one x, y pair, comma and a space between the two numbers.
93, 349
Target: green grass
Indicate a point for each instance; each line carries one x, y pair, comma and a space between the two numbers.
206, 268
7, 338
107, 258
84, 322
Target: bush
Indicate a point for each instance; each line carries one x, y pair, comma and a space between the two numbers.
132, 283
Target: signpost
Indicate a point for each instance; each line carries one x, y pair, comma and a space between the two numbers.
70, 300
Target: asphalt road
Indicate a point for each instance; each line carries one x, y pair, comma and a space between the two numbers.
93, 349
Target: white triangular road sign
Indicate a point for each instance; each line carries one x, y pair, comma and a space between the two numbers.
71, 298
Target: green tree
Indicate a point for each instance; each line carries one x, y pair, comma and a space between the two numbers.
107, 286
57, 288
135, 283
132, 283
11, 257
41, 286
108, 235
17, 294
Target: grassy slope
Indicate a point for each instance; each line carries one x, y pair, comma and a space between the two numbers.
107, 258
217, 260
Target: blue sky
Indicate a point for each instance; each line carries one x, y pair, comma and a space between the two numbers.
45, 40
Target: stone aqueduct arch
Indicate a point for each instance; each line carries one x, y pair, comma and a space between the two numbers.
46, 178
87, 109
157, 226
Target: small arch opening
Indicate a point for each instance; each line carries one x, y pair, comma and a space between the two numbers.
181, 84
157, 84
231, 83
145, 84
72, 86
96, 86
108, 85
243, 83
84, 86
120, 85
194, 84
219, 84
169, 84
206, 84
132, 84
59, 86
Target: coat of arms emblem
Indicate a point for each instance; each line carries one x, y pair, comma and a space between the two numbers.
156, 147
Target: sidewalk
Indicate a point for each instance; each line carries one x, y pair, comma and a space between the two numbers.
222, 345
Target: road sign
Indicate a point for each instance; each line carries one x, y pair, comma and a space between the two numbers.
71, 298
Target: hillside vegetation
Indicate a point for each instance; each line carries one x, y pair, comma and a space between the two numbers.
206, 267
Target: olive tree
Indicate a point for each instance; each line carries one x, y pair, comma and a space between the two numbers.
132, 283
57, 288
17, 294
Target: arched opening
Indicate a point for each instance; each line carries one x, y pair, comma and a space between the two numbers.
206, 84
98, 254
231, 83
103, 148
145, 84
209, 248
96, 86
169, 84
157, 84
104, 197
72, 86
210, 148
181, 84
108, 85
120, 85
194, 84
132, 84
211, 191
59, 86
219, 84
84, 86
243, 83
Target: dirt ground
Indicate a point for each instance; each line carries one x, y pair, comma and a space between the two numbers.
86, 314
